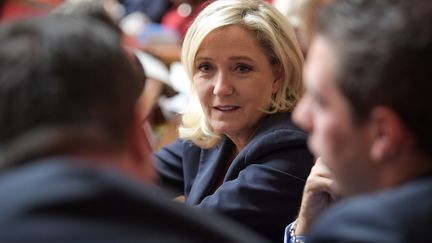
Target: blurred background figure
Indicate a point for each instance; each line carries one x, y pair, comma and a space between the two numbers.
166, 90
163, 39
151, 10
156, 78
98, 10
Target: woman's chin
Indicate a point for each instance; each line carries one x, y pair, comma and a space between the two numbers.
223, 128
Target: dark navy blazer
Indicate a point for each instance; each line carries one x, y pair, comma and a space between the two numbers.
59, 199
399, 215
263, 186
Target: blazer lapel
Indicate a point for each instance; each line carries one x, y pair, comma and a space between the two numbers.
211, 163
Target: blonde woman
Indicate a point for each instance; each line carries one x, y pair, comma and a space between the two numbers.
238, 153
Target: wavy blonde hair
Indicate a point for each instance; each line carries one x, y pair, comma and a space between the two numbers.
273, 34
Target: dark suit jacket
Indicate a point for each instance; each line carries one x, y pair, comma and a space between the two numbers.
57, 200
403, 214
263, 186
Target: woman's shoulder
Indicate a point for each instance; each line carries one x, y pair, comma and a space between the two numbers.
279, 125
180, 147
277, 133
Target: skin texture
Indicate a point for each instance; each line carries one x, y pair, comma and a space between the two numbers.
325, 113
320, 192
234, 81
343, 145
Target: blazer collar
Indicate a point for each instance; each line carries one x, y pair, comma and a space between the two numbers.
211, 164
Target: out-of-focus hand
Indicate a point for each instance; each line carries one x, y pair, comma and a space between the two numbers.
180, 199
320, 192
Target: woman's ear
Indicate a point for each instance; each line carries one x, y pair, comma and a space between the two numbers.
387, 133
278, 78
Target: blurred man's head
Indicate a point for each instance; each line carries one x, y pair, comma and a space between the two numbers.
368, 81
65, 88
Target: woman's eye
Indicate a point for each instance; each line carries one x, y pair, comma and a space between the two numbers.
204, 67
242, 68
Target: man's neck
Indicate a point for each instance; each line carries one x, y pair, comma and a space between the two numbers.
405, 170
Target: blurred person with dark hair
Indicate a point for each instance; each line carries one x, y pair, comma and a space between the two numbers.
368, 110
73, 168
150, 85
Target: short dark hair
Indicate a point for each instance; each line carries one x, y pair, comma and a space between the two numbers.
87, 9
95, 10
59, 72
384, 53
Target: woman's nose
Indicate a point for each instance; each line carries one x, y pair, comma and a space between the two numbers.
222, 85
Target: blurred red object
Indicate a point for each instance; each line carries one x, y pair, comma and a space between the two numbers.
14, 9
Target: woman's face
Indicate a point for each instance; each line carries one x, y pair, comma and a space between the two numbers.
234, 81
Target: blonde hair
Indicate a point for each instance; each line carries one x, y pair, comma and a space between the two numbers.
274, 35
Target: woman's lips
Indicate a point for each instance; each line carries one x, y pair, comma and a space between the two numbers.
226, 108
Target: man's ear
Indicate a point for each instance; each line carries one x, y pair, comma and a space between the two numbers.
140, 148
387, 134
